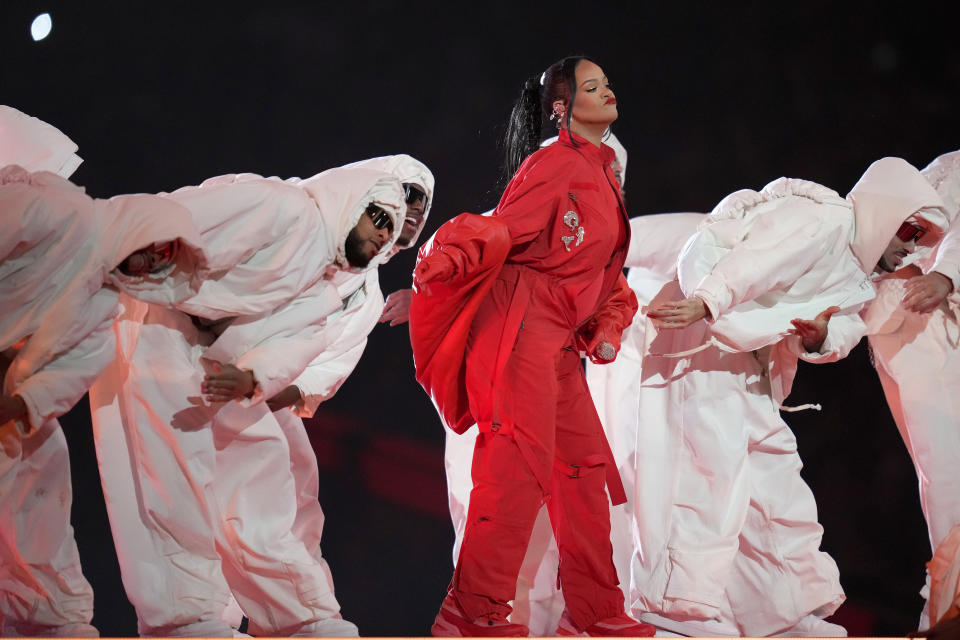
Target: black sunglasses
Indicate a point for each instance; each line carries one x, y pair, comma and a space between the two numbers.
412, 193
381, 219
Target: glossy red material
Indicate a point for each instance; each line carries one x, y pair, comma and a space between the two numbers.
513, 298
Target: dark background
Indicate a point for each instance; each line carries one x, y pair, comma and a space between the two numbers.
713, 97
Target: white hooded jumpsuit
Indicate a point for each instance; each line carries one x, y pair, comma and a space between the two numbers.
917, 357
57, 250
345, 336
201, 499
741, 512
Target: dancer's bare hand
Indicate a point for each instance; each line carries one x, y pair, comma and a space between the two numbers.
397, 308
11, 408
227, 382
677, 314
925, 293
286, 398
813, 332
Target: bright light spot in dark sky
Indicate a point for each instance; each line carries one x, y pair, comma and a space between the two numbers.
41, 26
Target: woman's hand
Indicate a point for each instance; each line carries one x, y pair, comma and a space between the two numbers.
677, 315
227, 382
397, 308
925, 293
813, 332
603, 352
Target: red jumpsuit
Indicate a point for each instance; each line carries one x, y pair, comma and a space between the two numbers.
498, 344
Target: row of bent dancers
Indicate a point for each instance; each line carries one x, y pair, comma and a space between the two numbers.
207, 321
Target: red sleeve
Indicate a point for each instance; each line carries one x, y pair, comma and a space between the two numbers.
440, 323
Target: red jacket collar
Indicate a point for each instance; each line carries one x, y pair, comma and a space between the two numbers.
602, 155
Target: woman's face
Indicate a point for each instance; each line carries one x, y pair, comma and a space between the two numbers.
594, 103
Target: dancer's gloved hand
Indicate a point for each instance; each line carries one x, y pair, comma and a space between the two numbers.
925, 293
813, 332
286, 398
397, 308
227, 382
436, 267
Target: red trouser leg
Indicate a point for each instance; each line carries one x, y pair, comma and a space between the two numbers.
503, 507
578, 504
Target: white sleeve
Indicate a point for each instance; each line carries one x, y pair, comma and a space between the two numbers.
780, 247
347, 332
55, 387
277, 346
948, 254
656, 241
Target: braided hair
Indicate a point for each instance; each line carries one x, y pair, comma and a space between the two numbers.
524, 130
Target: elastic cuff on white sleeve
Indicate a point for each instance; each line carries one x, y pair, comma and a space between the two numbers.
714, 294
30, 423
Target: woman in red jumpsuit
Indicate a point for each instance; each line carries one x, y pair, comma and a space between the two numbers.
503, 308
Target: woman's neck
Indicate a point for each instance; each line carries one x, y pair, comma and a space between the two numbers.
592, 133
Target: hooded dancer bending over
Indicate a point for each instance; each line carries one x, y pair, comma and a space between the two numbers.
345, 337
196, 469
58, 249
761, 264
504, 305
914, 332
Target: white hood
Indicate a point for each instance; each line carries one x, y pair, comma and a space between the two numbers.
408, 170
621, 154
343, 194
35, 145
890, 191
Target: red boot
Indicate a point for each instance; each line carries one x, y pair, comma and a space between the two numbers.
450, 623
617, 626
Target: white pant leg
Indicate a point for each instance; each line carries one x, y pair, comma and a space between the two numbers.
711, 402
919, 368
457, 461
308, 524
41, 581
277, 581
538, 602
780, 575
156, 457
920, 373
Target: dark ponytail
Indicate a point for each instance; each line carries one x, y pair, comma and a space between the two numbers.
523, 135
524, 129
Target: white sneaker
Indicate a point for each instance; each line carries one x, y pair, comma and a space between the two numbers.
202, 629
335, 627
69, 630
811, 626
690, 628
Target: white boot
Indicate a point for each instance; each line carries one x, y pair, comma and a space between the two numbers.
335, 627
